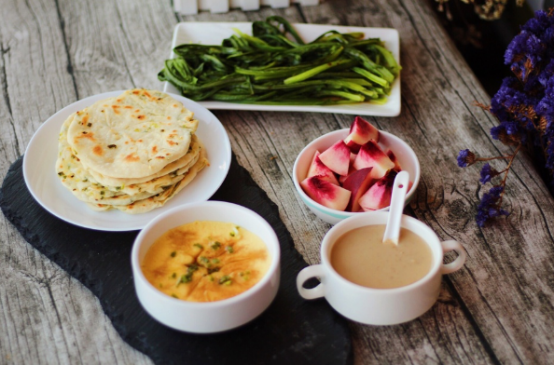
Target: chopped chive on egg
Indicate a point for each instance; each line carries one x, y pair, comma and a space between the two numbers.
225, 280
235, 232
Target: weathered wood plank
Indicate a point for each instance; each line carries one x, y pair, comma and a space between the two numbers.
499, 308
47, 317
267, 145
116, 45
507, 282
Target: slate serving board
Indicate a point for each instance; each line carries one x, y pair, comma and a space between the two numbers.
291, 330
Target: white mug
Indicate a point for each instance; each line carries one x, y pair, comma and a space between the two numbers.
380, 306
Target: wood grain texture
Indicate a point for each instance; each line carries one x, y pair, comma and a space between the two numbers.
267, 144
499, 308
506, 284
47, 317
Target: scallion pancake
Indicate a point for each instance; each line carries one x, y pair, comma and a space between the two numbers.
150, 203
176, 167
133, 135
84, 186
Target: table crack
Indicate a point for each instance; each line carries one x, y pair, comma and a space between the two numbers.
66, 47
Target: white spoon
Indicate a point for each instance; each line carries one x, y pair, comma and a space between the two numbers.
399, 189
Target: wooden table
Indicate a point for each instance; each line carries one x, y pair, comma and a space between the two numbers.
497, 309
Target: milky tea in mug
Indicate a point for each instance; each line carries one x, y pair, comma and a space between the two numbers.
392, 296
361, 257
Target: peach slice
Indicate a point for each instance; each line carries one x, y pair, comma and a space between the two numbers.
351, 169
393, 158
361, 131
342, 178
325, 193
378, 196
318, 168
337, 158
371, 155
358, 183
352, 158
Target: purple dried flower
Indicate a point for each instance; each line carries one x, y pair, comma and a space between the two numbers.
539, 23
515, 48
490, 206
465, 158
548, 37
487, 173
524, 107
496, 131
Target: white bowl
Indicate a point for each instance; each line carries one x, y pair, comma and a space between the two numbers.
403, 152
206, 317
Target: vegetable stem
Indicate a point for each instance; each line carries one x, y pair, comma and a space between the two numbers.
274, 66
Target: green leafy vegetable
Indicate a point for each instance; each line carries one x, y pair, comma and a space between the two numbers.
275, 66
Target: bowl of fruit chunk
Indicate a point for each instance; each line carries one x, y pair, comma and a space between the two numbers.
349, 171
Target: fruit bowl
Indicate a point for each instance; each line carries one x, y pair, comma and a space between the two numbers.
405, 155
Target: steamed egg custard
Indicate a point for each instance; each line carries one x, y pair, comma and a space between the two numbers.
206, 261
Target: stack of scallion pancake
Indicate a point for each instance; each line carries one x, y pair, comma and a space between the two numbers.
133, 152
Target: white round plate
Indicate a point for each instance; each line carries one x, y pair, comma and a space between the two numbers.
40, 175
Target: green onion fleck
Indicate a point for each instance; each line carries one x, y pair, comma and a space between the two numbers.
212, 270
186, 278
225, 280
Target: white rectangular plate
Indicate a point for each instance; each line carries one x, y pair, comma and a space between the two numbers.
214, 33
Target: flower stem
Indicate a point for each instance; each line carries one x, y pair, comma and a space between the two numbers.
495, 158
507, 170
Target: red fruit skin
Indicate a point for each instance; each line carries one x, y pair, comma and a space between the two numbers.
352, 158
361, 131
342, 178
378, 196
337, 158
393, 158
354, 147
371, 155
325, 193
358, 183
318, 168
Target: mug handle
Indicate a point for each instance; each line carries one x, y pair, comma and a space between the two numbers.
456, 264
305, 274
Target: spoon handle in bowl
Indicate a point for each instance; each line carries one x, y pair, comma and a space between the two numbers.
392, 231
